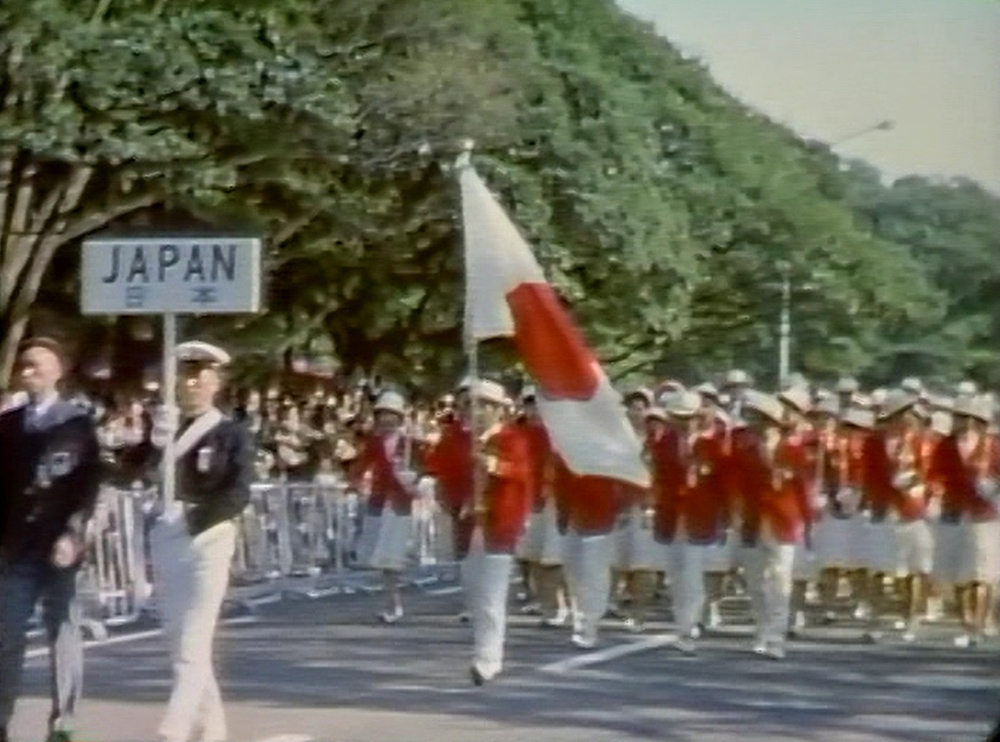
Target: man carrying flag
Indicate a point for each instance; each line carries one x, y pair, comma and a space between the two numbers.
507, 296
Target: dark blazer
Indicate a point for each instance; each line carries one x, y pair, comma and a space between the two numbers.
50, 473
215, 475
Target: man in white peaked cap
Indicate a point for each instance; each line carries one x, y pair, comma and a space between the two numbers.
194, 538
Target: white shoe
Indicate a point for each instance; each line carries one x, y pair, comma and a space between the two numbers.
685, 645
899, 625
555, 622
583, 642
963, 641
760, 647
775, 652
391, 617
909, 636
464, 617
695, 632
633, 626
714, 616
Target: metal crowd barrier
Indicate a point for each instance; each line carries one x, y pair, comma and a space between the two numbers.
294, 539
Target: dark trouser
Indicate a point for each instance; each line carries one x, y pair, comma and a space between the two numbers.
22, 584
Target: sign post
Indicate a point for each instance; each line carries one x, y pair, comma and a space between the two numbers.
170, 276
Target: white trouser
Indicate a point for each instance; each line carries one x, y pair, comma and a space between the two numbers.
486, 580
685, 567
770, 583
588, 572
192, 575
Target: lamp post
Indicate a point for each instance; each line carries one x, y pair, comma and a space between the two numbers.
880, 126
785, 324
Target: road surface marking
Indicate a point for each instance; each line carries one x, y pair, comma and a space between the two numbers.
606, 655
134, 637
440, 591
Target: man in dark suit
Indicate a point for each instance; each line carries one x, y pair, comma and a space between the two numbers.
194, 538
49, 478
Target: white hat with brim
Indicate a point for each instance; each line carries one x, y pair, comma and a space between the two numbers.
798, 398
896, 402
708, 390
966, 389
737, 377
858, 417
765, 404
847, 385
683, 404
491, 392
879, 396
968, 406
644, 394
390, 402
197, 351
656, 413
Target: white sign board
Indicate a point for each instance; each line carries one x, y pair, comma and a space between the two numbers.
164, 275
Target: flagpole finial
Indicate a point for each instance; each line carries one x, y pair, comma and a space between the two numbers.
465, 159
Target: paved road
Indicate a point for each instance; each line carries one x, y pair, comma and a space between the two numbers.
323, 670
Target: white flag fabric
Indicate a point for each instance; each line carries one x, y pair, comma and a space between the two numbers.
507, 296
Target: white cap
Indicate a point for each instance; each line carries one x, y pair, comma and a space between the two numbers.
390, 401
197, 351
797, 397
913, 385
879, 396
765, 404
491, 391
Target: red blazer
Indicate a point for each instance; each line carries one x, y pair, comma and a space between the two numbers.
509, 489
588, 504
691, 486
956, 476
879, 471
450, 462
774, 491
540, 449
386, 487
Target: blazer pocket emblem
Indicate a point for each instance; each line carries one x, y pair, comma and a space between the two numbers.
204, 462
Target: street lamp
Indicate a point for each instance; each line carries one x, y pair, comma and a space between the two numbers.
785, 326
880, 126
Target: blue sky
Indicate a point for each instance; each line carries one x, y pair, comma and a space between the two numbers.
828, 68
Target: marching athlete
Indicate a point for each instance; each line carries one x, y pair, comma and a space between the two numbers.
500, 505
389, 456
776, 516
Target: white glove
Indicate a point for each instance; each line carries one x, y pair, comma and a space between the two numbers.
988, 488
904, 480
164, 425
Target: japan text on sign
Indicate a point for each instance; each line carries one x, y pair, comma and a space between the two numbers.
160, 275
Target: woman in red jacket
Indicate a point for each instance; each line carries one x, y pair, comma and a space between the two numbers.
968, 467
388, 456
777, 515
691, 513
